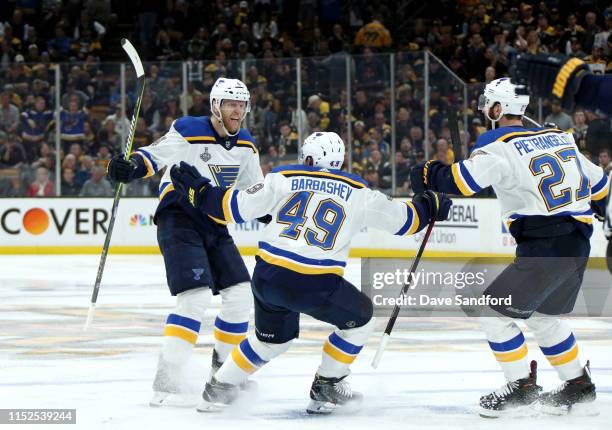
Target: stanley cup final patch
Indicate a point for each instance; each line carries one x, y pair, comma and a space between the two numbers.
205, 156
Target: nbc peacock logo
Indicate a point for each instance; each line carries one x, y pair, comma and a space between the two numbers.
140, 220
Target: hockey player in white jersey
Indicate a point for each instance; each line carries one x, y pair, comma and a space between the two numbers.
316, 209
547, 192
200, 256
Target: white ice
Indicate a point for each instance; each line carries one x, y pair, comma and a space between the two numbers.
431, 376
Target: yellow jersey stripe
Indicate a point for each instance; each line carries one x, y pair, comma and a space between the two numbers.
242, 362
169, 188
241, 142
415, 220
323, 174
208, 138
227, 211
564, 358
233, 339
181, 333
459, 181
601, 194
506, 357
338, 355
584, 219
217, 220
297, 267
509, 136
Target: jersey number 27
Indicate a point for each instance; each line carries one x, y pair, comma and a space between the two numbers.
556, 176
328, 217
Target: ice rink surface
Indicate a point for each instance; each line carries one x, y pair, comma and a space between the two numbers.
431, 375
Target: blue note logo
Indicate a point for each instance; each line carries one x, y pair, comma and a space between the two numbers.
224, 176
197, 274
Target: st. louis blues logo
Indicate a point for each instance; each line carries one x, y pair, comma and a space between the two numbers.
224, 176
205, 156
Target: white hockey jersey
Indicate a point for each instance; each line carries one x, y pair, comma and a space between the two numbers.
315, 214
533, 172
227, 162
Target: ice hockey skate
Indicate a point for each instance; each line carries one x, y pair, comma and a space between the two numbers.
515, 399
217, 396
329, 394
576, 397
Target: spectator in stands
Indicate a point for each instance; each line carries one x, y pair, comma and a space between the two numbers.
558, 117
72, 125
97, 186
9, 114
604, 159
199, 107
42, 185
443, 152
108, 136
59, 46
12, 153
374, 34
580, 129
142, 135
70, 188
35, 124
287, 141
371, 72
402, 173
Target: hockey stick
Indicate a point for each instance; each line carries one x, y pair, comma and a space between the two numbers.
387, 334
140, 85
455, 136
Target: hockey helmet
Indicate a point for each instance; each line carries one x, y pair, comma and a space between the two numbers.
229, 89
508, 95
325, 148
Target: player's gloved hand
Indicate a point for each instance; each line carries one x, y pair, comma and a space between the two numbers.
437, 205
548, 75
420, 175
121, 170
189, 182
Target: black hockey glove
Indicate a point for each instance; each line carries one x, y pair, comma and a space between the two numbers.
266, 219
420, 175
547, 75
121, 170
189, 182
437, 204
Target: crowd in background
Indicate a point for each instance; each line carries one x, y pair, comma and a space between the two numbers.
259, 41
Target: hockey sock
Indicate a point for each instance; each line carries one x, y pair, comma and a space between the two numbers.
232, 323
558, 344
508, 345
341, 349
228, 335
183, 325
248, 357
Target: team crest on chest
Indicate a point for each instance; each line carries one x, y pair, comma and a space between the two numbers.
205, 156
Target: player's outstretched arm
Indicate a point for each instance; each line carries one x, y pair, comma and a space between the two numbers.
230, 205
566, 79
404, 217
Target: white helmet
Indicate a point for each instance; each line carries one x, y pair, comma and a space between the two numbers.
228, 89
325, 148
504, 92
